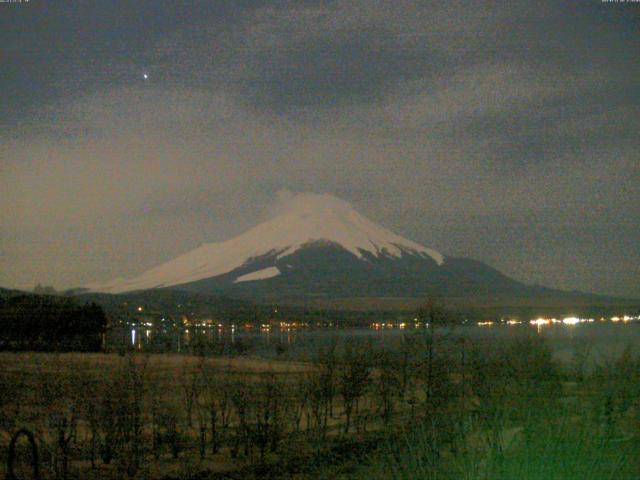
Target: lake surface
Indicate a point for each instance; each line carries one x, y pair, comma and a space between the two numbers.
603, 340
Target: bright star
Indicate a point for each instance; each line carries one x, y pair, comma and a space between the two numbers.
145, 76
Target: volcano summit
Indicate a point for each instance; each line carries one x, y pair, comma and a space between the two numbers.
319, 246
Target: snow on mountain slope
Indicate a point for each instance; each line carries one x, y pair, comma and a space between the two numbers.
265, 273
304, 218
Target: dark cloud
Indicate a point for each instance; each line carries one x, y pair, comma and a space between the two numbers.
341, 67
505, 132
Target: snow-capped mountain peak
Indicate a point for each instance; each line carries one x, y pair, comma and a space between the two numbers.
302, 220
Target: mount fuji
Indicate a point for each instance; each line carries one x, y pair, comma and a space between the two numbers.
319, 246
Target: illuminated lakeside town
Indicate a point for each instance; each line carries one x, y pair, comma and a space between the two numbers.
141, 330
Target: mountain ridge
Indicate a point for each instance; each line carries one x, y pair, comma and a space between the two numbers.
318, 247
304, 219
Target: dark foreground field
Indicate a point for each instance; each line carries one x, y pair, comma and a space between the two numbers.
436, 407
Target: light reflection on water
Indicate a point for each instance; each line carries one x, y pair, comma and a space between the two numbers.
603, 339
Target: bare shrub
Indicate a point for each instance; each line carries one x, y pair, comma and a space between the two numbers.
354, 376
215, 403
387, 383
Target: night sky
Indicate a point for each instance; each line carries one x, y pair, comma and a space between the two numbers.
132, 132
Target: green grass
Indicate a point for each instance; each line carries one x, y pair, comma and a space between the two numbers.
556, 446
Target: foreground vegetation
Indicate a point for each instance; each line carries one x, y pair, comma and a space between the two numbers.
436, 407
532, 420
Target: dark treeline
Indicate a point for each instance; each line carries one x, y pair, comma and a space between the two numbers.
48, 323
174, 305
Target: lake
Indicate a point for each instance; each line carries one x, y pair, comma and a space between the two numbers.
604, 340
